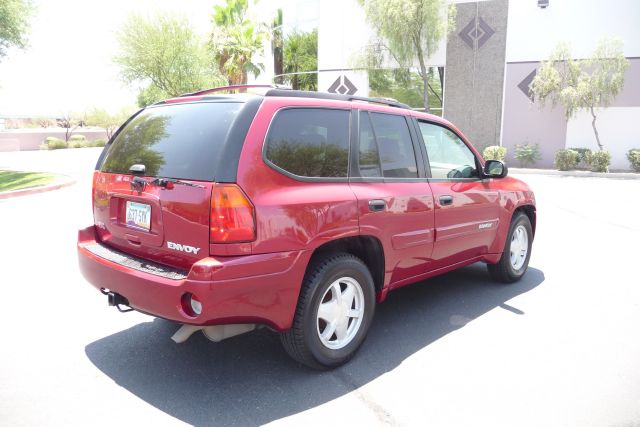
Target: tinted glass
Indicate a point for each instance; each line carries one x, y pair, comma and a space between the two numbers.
368, 157
181, 141
449, 156
394, 143
310, 142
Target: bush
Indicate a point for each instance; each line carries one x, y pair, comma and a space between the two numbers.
494, 152
633, 156
97, 143
527, 154
583, 155
53, 143
74, 138
566, 159
599, 161
77, 143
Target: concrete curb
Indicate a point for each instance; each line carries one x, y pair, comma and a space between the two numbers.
65, 181
580, 174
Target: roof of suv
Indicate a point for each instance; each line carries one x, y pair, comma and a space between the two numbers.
268, 91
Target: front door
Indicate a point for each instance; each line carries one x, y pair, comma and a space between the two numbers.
466, 207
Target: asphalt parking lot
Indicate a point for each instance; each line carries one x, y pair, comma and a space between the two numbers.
561, 347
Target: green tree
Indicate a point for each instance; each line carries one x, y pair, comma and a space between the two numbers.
165, 56
409, 31
300, 55
70, 122
582, 84
235, 40
109, 122
405, 86
135, 145
14, 23
277, 43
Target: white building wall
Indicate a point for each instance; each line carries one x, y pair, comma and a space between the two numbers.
342, 34
533, 32
617, 128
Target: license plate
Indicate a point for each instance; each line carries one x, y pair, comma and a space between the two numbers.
139, 215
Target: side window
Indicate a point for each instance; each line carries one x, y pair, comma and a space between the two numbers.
449, 156
310, 142
397, 158
368, 157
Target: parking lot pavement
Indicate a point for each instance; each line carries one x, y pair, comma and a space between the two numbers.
560, 347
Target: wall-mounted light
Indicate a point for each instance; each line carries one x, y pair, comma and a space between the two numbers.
543, 4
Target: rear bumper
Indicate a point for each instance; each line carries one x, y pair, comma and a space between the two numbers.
261, 288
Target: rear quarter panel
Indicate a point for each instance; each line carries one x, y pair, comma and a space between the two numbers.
292, 214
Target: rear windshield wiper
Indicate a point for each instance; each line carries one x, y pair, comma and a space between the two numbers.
138, 183
168, 183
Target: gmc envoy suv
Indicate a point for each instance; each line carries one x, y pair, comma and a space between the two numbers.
298, 211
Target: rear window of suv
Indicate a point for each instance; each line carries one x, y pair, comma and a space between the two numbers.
182, 141
310, 142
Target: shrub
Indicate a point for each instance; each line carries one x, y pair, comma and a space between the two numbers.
80, 138
77, 143
97, 143
53, 143
583, 155
566, 159
527, 154
494, 152
599, 161
633, 156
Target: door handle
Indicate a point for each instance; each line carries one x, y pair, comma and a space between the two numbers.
446, 200
134, 240
376, 205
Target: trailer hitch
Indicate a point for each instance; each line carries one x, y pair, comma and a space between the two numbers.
116, 300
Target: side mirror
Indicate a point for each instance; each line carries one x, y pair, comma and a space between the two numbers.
495, 169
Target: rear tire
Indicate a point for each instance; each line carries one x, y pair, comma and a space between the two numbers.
517, 250
334, 312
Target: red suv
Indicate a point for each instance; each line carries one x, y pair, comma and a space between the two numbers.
294, 210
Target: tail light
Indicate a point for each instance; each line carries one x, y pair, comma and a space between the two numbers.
232, 215
93, 187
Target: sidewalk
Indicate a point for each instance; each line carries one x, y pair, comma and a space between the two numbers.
576, 173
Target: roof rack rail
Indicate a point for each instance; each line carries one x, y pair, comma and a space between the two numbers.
231, 87
335, 96
279, 90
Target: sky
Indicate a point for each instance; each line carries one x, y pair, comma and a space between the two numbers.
68, 64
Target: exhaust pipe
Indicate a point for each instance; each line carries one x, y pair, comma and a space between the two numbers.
214, 333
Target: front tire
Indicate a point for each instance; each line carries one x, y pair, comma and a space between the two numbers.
517, 251
334, 312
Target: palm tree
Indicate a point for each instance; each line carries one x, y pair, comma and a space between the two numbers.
235, 40
301, 55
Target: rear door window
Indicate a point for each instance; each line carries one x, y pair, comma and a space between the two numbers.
182, 141
368, 156
310, 142
397, 157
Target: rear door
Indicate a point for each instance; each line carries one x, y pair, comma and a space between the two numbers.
183, 142
394, 199
466, 207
